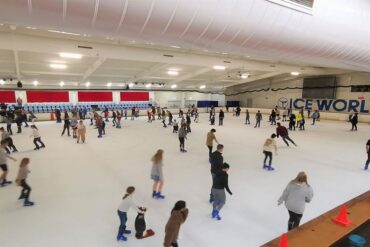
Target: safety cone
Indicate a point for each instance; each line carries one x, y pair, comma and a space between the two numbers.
283, 241
342, 218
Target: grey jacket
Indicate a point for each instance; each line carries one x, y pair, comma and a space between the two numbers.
296, 196
182, 133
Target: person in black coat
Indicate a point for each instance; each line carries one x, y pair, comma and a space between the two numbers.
221, 183
217, 161
354, 121
221, 117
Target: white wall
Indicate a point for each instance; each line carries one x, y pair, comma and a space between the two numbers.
270, 99
162, 98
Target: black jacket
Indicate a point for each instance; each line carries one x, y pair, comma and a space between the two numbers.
216, 162
221, 115
221, 181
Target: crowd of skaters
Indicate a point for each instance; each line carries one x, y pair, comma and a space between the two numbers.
296, 189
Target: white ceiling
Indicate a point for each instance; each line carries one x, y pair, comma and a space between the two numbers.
129, 38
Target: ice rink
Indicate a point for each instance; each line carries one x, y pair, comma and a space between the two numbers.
78, 187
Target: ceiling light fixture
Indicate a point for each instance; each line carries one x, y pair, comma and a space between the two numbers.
174, 86
109, 84
57, 66
2, 82
61, 83
172, 72
131, 84
70, 55
294, 73
202, 87
175, 46
87, 84
219, 67
244, 76
148, 85
35, 83
62, 32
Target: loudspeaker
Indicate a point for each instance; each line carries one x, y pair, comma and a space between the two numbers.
19, 84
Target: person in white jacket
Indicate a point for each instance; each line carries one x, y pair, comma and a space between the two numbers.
126, 203
297, 193
36, 137
268, 148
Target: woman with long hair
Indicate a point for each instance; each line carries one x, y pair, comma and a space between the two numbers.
21, 181
297, 193
126, 204
157, 174
178, 216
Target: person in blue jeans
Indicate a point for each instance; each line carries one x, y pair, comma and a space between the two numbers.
126, 203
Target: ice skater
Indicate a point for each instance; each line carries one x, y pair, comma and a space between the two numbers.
74, 124
126, 204
114, 117
283, 132
3, 163
268, 148
285, 113
81, 131
157, 174
175, 126
178, 216
258, 119
67, 123
221, 117
354, 121
315, 116
6, 136
273, 117
188, 123
221, 182
21, 181
118, 120
303, 121
368, 155
210, 138
36, 138
247, 117
182, 137
292, 120
216, 161
99, 124
297, 193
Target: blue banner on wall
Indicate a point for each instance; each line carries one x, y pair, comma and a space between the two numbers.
337, 105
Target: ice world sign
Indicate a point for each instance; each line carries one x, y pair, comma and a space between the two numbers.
337, 105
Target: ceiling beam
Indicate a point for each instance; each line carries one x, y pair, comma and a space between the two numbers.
92, 69
16, 60
148, 72
191, 75
258, 77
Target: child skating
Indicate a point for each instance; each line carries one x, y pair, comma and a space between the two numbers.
157, 174
36, 138
3, 163
21, 181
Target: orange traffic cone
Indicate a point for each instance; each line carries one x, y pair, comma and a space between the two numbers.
283, 241
342, 218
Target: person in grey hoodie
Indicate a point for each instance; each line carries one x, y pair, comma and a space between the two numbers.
297, 193
182, 137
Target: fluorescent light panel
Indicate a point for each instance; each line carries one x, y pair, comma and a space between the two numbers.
172, 72
219, 67
70, 55
57, 66
174, 86
202, 87
295, 73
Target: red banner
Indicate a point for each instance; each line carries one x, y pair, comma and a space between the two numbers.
95, 96
47, 96
7, 97
134, 96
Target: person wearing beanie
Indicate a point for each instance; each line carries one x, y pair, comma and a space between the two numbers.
268, 148
126, 203
210, 138
297, 193
283, 132
21, 181
178, 216
3, 163
157, 174
221, 182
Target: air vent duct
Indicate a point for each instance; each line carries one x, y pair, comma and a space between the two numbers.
85, 47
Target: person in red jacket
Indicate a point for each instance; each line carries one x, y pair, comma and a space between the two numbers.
283, 132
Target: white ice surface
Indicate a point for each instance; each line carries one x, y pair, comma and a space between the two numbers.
77, 188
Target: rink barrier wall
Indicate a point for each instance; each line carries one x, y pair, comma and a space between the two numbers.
363, 118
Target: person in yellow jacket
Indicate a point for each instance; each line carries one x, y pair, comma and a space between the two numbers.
298, 119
